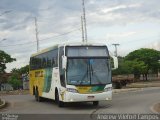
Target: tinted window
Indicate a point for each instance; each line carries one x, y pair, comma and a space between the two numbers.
45, 60
87, 51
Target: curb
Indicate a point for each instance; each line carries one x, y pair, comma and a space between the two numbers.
3, 103
126, 90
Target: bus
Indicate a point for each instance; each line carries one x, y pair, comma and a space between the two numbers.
72, 73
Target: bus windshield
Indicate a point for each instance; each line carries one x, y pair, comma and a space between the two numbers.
88, 70
87, 51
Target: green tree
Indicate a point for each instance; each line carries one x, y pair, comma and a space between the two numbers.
22, 70
130, 67
4, 59
123, 67
136, 67
15, 81
148, 59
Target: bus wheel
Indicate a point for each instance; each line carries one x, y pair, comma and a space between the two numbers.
95, 103
38, 98
60, 103
36, 95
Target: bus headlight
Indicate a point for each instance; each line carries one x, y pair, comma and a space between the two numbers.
108, 89
72, 90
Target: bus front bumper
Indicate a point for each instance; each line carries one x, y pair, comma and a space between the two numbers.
77, 97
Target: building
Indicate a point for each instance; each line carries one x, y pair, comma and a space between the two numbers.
25, 80
3, 82
6, 87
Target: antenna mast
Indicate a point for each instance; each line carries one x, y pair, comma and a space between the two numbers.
36, 30
116, 54
84, 21
82, 29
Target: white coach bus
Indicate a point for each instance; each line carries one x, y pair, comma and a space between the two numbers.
72, 73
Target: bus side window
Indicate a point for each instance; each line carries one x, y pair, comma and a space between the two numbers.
31, 63
62, 72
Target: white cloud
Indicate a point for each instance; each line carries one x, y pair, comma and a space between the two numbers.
47, 35
112, 9
4, 33
122, 34
154, 45
56, 17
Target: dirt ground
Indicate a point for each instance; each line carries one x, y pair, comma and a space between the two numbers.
15, 92
156, 107
143, 84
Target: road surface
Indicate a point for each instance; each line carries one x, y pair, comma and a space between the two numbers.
128, 102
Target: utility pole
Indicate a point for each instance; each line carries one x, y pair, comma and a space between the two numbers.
36, 30
116, 49
84, 20
82, 29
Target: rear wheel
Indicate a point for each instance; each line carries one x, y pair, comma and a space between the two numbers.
37, 97
95, 103
60, 103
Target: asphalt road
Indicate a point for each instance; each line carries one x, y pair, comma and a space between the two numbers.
139, 101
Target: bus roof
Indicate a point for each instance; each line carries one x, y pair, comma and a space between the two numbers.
45, 50
68, 44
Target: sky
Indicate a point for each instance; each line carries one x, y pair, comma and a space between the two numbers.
133, 24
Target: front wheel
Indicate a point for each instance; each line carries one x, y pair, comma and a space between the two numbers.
60, 103
95, 103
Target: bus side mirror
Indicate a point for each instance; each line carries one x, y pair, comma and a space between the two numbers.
64, 62
115, 61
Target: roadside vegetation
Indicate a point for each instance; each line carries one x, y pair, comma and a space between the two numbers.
4, 59
14, 78
139, 62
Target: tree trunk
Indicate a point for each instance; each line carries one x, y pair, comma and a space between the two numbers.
143, 76
146, 77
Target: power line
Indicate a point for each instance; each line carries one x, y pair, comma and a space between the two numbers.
18, 48
60, 34
43, 39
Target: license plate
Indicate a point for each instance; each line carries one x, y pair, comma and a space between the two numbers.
90, 97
